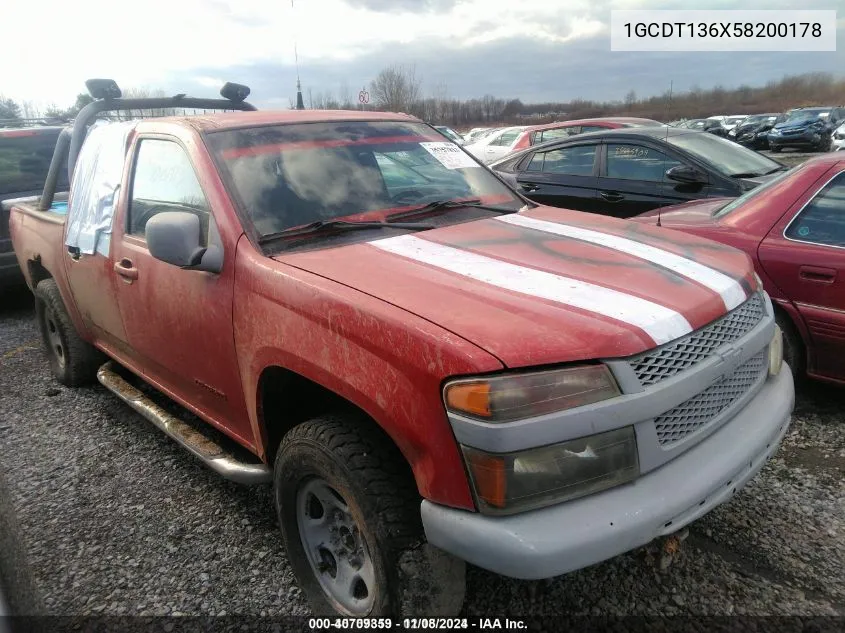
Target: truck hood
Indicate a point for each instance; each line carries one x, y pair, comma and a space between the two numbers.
547, 285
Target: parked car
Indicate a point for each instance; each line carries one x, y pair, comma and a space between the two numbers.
713, 126
729, 122
25, 155
793, 229
753, 132
628, 171
495, 145
475, 134
537, 134
807, 128
839, 138
428, 374
450, 134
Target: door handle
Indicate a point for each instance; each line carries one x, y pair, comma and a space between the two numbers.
817, 274
611, 196
529, 188
125, 269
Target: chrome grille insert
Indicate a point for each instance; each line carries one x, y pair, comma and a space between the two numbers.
694, 414
676, 356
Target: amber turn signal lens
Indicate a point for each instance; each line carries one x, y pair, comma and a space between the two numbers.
469, 397
488, 475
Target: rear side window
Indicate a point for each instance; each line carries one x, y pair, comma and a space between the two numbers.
561, 132
25, 157
592, 128
635, 162
822, 221
570, 161
164, 180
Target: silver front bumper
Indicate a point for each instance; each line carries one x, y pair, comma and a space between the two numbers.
565, 537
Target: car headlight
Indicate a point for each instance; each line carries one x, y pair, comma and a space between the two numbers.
529, 479
776, 352
774, 132
517, 396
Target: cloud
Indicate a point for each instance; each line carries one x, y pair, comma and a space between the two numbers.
405, 6
534, 49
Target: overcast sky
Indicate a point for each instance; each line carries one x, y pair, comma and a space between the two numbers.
537, 50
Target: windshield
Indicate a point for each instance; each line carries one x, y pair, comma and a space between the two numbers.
807, 115
724, 156
449, 132
291, 175
738, 202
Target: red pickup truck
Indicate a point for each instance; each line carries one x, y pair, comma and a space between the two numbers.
429, 368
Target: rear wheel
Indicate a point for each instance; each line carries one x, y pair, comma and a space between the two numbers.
350, 517
72, 361
775, 149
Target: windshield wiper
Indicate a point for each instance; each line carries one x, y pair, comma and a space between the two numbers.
746, 174
440, 205
780, 168
340, 225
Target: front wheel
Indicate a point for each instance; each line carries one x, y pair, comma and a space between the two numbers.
350, 518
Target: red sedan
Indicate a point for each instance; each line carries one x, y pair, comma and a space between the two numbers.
793, 227
537, 134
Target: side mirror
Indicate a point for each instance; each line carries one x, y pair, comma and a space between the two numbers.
174, 237
686, 174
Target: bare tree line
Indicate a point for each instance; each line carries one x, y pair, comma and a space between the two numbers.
400, 89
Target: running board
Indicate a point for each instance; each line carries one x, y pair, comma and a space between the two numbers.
216, 457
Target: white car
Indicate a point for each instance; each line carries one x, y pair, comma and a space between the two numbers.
496, 145
476, 134
729, 122
838, 143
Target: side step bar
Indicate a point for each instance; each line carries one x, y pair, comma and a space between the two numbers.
215, 456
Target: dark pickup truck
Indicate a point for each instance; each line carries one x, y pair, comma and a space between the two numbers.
25, 155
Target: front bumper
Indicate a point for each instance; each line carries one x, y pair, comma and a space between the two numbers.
568, 536
802, 139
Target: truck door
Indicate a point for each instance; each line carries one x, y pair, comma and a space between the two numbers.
178, 322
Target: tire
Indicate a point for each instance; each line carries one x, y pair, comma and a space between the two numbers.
775, 148
794, 353
74, 362
349, 509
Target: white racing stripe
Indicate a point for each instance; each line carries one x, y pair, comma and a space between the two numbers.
661, 323
729, 289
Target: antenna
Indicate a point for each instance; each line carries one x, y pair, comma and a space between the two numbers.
668, 112
299, 103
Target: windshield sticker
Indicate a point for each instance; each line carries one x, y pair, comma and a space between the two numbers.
624, 151
449, 155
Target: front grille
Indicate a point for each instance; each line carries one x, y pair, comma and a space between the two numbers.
674, 357
698, 411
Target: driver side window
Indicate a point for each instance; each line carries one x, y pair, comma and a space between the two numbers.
164, 180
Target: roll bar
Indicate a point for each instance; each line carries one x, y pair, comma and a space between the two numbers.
70, 140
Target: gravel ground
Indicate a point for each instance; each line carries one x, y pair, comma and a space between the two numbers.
118, 520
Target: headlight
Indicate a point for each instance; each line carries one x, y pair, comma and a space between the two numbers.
525, 480
776, 352
517, 396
